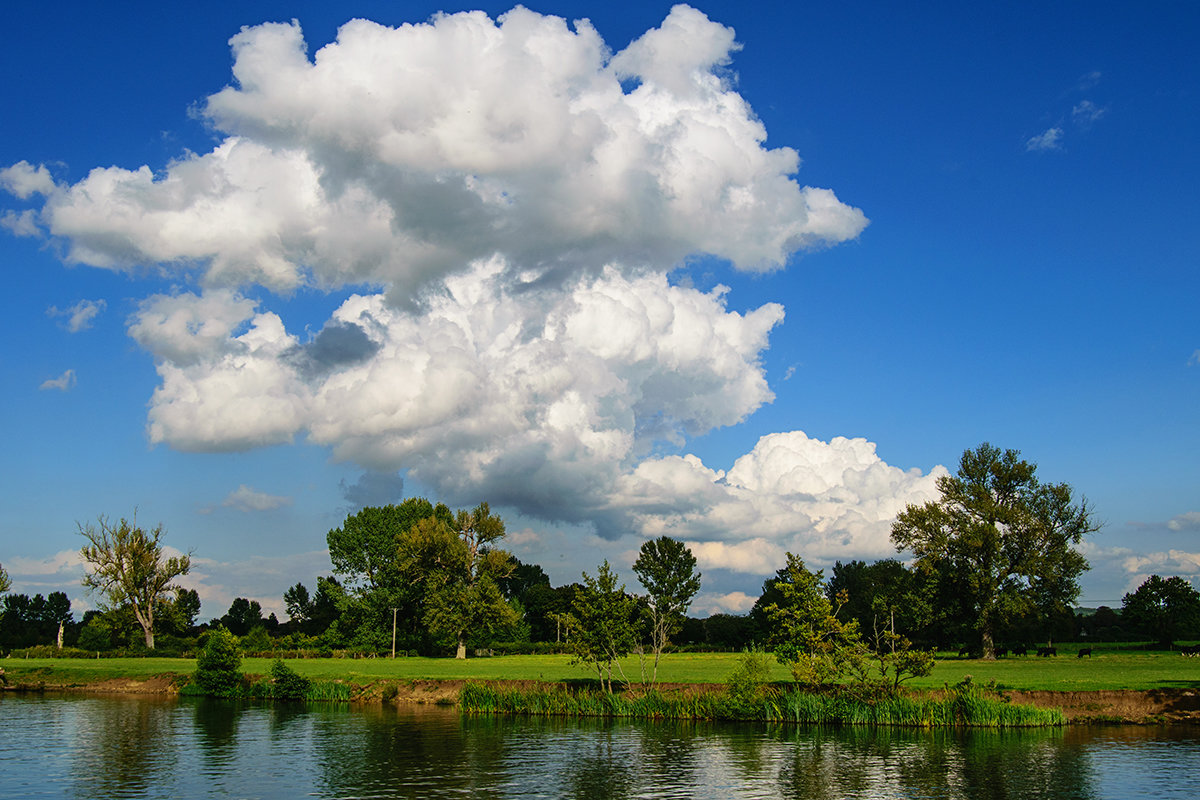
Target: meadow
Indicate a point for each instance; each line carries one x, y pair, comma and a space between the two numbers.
1107, 670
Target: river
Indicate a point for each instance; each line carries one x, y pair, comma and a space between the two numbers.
101, 747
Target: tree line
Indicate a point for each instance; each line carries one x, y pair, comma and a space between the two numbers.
994, 562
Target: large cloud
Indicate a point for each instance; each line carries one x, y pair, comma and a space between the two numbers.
507, 198
396, 156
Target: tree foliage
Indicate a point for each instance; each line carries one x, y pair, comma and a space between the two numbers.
217, 665
805, 632
602, 624
5, 583
666, 569
461, 569
1164, 608
126, 564
1004, 538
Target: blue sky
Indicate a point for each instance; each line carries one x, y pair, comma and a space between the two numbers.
668, 334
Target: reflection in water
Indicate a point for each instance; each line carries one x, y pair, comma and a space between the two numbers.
123, 750
139, 747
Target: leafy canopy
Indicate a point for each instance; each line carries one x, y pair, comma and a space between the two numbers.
126, 564
1006, 538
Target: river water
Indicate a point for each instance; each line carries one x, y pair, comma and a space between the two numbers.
156, 747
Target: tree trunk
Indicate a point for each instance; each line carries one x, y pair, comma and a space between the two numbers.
461, 653
60, 634
989, 646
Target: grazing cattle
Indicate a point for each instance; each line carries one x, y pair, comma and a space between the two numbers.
1003, 651
964, 653
1046, 652
1084, 651
1191, 650
1020, 650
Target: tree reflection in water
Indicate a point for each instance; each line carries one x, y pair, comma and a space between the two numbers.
124, 749
162, 747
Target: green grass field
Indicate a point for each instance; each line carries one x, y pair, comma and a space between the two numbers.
1107, 670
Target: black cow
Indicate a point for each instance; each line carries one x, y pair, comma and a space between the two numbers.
1020, 650
1191, 650
1046, 652
1084, 651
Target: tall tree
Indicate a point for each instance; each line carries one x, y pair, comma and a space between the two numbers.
884, 597
462, 574
1008, 537
1164, 608
126, 564
666, 569
5, 583
243, 614
363, 550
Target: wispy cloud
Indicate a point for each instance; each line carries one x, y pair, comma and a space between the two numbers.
80, 316
1050, 139
1086, 113
63, 383
245, 498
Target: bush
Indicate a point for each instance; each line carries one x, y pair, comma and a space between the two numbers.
753, 670
217, 667
286, 683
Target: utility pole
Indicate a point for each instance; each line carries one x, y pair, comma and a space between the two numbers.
394, 610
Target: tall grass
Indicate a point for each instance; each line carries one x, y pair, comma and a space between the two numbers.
965, 705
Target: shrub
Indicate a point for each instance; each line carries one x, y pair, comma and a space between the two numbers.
286, 683
753, 670
217, 667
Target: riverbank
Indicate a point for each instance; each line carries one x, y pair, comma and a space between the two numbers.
1127, 706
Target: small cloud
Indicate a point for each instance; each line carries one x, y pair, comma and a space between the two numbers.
23, 224
246, 499
79, 316
1189, 521
63, 383
1049, 140
24, 180
1086, 113
1195, 359
1089, 80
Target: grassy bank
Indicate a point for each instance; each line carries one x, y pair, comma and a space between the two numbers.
965, 705
1105, 671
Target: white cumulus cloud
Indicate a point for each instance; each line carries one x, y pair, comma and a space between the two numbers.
397, 156
1050, 139
507, 199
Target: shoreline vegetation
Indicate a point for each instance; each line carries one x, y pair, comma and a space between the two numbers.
516, 685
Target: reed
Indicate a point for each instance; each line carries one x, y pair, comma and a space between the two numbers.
964, 705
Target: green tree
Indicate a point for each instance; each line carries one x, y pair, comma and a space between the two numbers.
602, 625
365, 552
243, 614
462, 569
884, 597
1164, 608
217, 666
805, 632
126, 564
298, 604
176, 616
1007, 537
56, 616
666, 569
5, 583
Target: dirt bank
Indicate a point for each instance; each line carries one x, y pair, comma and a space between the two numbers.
1158, 706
